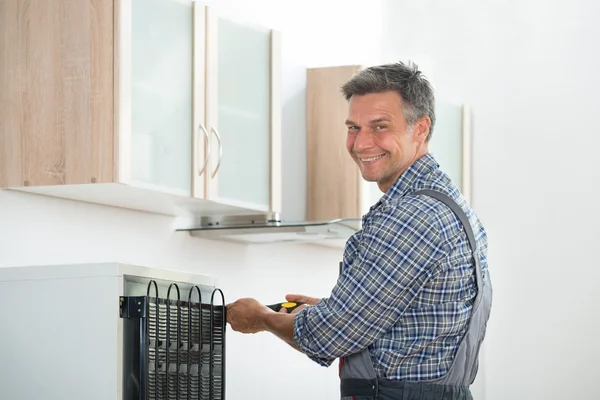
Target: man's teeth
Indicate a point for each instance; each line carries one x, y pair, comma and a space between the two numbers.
372, 158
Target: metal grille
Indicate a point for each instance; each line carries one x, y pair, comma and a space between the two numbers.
183, 354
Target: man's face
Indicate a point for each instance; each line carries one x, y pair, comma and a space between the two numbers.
379, 140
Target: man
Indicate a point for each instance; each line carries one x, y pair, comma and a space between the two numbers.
409, 310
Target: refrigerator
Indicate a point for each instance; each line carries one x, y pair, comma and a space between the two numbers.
111, 330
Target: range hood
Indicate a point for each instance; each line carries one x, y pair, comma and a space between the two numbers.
268, 228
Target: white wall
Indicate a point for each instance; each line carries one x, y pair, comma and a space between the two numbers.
529, 68
39, 230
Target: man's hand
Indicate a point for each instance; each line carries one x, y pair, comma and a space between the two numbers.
299, 298
250, 316
247, 315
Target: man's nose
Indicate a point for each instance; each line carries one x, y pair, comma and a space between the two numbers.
364, 140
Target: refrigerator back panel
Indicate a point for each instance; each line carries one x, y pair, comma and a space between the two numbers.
174, 345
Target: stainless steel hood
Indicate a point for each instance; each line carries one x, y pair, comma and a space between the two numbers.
268, 228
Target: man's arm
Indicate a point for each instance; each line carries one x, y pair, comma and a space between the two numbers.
281, 325
398, 251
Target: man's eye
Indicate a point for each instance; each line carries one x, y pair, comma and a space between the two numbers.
380, 127
353, 128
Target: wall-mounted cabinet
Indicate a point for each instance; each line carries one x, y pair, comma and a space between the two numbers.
167, 106
335, 188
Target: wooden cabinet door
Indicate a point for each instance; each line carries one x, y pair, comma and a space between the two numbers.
56, 92
335, 188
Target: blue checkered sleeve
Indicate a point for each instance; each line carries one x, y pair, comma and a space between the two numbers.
386, 269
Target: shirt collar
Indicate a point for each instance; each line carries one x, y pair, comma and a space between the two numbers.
406, 183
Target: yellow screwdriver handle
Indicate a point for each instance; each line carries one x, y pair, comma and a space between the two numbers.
288, 305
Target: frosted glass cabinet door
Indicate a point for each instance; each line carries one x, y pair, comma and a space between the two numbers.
161, 94
447, 140
244, 114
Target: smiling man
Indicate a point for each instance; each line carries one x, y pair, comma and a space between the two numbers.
408, 313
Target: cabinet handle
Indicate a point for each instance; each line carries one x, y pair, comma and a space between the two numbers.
220, 151
201, 170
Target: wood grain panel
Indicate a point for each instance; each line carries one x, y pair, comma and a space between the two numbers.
10, 94
102, 37
74, 83
42, 100
333, 179
56, 105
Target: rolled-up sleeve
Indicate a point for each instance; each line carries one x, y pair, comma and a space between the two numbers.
392, 261
307, 341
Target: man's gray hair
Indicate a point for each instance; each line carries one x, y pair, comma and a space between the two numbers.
416, 92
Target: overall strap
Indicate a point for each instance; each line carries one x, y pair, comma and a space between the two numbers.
449, 201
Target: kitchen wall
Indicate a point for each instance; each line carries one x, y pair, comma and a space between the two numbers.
41, 230
530, 72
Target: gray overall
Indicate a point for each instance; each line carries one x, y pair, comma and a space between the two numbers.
358, 378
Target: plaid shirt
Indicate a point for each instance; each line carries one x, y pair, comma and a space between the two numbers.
407, 285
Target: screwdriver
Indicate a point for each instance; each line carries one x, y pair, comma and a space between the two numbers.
288, 305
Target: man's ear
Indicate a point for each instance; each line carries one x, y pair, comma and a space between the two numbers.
421, 128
